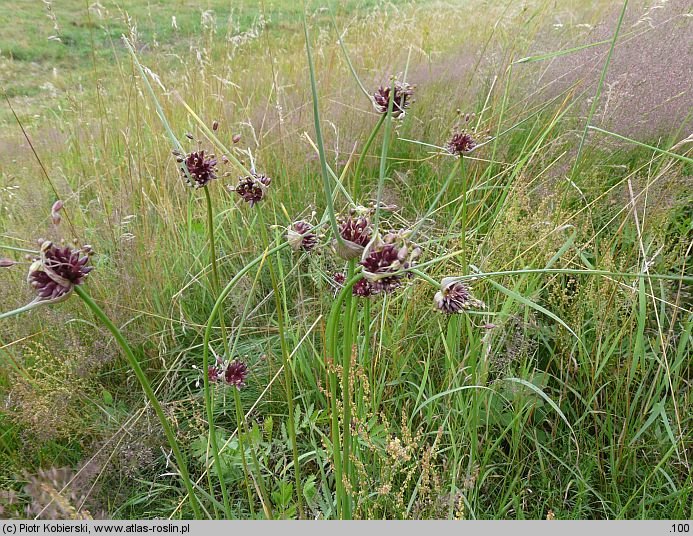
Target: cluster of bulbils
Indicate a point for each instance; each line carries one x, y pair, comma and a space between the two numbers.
234, 373
56, 269
385, 260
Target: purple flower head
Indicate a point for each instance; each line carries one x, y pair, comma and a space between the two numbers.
214, 373
300, 236
455, 297
200, 168
461, 143
253, 188
6, 263
400, 100
362, 288
236, 374
356, 233
385, 258
58, 270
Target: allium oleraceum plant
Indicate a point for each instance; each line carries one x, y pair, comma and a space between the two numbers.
461, 143
201, 168
58, 271
356, 232
463, 140
233, 373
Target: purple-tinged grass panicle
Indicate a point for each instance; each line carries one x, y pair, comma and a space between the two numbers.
455, 297
385, 258
252, 188
7, 263
236, 374
401, 99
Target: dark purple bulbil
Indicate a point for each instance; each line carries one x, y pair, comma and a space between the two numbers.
455, 297
300, 236
461, 143
356, 233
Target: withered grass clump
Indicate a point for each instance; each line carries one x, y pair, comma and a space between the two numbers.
48, 402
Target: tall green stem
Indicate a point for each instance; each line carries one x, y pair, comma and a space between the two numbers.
215, 271
346, 395
463, 221
288, 374
240, 422
362, 157
438, 197
209, 404
243, 425
327, 187
342, 501
383, 160
149, 393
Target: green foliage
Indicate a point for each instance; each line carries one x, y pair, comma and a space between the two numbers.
568, 394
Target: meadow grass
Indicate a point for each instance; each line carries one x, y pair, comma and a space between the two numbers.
568, 395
